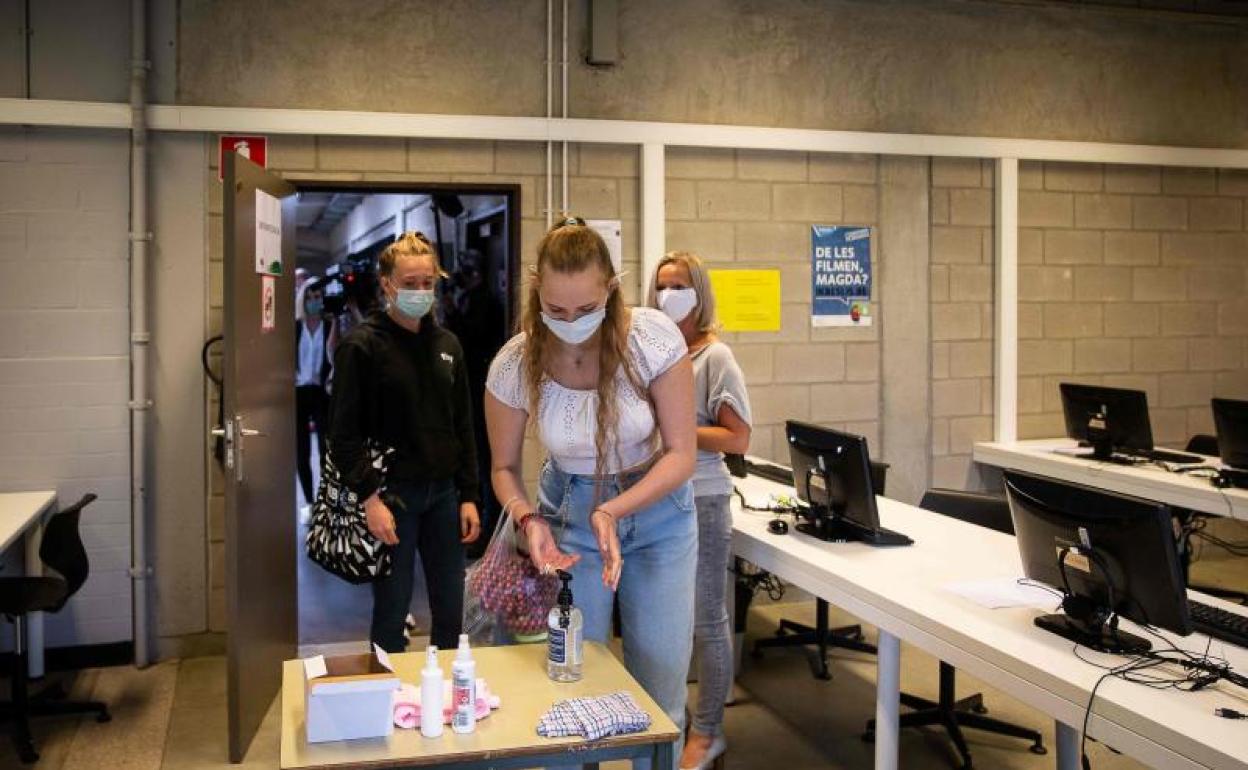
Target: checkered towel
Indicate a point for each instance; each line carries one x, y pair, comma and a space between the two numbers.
594, 718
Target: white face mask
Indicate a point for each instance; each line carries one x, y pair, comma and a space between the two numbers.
575, 332
677, 303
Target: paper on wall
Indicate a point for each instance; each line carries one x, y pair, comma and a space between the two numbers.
268, 234
612, 231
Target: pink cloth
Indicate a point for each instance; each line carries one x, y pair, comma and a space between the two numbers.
407, 704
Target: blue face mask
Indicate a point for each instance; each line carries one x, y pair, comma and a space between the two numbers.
575, 332
314, 306
413, 303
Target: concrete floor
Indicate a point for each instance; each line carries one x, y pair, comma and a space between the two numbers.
172, 715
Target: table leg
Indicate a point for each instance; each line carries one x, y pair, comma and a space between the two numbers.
1067, 747
662, 756
887, 701
34, 620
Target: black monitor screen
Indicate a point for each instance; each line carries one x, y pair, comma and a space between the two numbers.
1135, 556
831, 471
1123, 412
1231, 420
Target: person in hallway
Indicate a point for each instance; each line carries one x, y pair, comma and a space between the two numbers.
682, 290
314, 340
610, 391
401, 381
475, 315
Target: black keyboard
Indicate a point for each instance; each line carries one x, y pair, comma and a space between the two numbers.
1219, 623
1165, 456
771, 471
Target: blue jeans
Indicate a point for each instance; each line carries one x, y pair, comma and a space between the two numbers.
711, 632
659, 547
426, 519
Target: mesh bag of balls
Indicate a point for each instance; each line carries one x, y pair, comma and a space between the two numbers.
505, 592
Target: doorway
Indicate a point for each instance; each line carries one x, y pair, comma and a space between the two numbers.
340, 232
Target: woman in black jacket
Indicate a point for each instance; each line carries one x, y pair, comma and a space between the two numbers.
400, 380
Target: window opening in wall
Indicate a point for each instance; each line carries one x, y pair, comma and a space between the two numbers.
341, 232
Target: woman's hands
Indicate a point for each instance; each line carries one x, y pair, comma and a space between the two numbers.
469, 523
380, 520
543, 550
603, 524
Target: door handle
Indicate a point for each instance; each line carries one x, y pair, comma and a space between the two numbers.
241, 433
250, 432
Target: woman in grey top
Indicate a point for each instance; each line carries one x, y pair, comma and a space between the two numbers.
682, 290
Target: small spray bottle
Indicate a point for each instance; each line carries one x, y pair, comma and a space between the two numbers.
464, 689
431, 695
564, 627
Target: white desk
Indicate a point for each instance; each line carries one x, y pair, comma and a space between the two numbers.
24, 513
898, 590
1147, 481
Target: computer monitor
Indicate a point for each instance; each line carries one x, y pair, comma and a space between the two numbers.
1230, 419
1109, 554
1107, 418
832, 475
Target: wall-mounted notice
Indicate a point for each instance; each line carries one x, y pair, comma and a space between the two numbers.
612, 231
268, 234
268, 303
747, 300
840, 276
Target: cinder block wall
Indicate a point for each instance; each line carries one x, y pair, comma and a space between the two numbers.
1132, 277
64, 372
754, 209
603, 185
962, 281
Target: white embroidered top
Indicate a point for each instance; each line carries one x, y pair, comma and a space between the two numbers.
567, 418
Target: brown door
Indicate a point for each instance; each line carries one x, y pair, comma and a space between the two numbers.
260, 442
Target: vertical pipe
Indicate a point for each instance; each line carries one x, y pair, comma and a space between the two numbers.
139, 336
550, 109
26, 35
563, 103
1005, 379
653, 213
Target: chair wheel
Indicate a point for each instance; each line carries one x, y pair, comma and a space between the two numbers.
104, 716
1038, 749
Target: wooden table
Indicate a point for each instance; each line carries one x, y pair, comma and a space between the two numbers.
507, 738
22, 515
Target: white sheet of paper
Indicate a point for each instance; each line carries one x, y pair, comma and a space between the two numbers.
1002, 592
613, 233
314, 667
268, 234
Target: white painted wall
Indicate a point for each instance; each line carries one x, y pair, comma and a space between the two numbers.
64, 207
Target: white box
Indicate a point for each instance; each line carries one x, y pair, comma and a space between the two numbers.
349, 696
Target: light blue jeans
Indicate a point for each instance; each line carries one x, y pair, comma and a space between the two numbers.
659, 545
711, 631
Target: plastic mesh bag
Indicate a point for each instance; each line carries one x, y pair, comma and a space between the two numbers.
506, 598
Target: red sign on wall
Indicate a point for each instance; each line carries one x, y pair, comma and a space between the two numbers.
254, 148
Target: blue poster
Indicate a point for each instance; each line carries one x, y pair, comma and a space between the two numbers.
840, 275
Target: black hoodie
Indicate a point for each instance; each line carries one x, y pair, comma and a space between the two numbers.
408, 391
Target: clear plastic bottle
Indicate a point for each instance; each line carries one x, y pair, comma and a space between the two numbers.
565, 628
464, 688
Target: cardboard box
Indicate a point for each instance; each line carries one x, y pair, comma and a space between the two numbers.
349, 696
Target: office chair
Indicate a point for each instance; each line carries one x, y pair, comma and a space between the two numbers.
62, 551
953, 714
794, 634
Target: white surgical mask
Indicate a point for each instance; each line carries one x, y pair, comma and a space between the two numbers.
413, 303
576, 332
677, 303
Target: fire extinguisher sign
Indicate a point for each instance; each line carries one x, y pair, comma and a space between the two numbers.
840, 276
253, 148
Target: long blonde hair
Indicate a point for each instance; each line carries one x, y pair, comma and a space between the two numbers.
570, 248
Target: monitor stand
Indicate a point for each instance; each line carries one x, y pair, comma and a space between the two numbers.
837, 529
1101, 639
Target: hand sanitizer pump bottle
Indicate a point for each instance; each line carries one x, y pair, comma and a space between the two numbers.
564, 626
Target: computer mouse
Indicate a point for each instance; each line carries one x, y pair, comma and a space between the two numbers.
778, 527
1220, 481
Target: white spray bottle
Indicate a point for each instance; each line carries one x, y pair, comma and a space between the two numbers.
431, 695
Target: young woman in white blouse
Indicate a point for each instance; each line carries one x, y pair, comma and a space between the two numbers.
610, 390
682, 290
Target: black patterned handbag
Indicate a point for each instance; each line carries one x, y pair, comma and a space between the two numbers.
338, 537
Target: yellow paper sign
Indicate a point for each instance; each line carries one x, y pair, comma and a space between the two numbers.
747, 300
